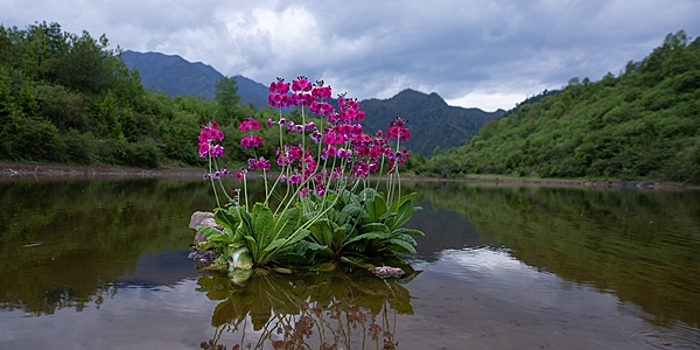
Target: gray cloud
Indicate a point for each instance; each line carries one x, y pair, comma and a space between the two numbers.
487, 54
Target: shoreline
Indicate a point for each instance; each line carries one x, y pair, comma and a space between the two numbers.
10, 171
23, 171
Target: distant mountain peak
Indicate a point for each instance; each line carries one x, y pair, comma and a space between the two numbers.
175, 75
435, 123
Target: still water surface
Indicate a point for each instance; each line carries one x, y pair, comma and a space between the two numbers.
90, 264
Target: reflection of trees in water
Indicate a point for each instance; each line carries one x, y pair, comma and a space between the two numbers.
65, 243
640, 245
317, 311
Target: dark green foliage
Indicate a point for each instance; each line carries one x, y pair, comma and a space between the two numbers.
340, 227
70, 99
226, 94
643, 124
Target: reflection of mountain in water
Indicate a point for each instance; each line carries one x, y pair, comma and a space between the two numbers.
444, 229
165, 268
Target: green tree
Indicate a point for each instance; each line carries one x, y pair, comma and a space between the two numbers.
129, 125
226, 96
109, 118
88, 66
28, 104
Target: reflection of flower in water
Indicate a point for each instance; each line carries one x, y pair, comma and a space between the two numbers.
315, 311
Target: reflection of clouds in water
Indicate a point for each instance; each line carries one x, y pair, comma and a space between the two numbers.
502, 277
489, 299
477, 293
175, 317
483, 259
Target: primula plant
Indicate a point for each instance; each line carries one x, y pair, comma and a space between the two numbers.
320, 207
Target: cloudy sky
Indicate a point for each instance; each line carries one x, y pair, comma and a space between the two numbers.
486, 54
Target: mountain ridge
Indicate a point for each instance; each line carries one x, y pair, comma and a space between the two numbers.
434, 122
175, 75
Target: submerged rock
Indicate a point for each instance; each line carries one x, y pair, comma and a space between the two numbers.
387, 272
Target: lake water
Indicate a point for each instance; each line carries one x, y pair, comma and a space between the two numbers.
88, 264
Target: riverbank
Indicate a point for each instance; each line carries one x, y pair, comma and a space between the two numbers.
492, 179
17, 171
13, 171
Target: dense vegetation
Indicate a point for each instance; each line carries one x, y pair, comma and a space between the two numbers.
68, 98
642, 124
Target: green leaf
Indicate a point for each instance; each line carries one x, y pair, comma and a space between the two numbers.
212, 233
357, 262
226, 217
281, 247
375, 205
374, 226
274, 244
305, 246
322, 231
245, 227
282, 270
409, 231
407, 238
381, 235
403, 213
407, 198
399, 245
340, 233
287, 222
351, 210
297, 236
263, 224
327, 266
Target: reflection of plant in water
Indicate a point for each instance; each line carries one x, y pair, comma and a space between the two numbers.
331, 310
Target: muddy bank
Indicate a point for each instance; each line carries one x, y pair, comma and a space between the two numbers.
18, 171
650, 185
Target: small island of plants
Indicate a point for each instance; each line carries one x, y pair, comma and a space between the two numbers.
334, 196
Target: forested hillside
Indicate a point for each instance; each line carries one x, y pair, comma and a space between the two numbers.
642, 124
68, 98
435, 123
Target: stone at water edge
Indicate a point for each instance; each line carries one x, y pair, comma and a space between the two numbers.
203, 258
387, 272
202, 218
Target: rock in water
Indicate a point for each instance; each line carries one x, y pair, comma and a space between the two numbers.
387, 272
203, 218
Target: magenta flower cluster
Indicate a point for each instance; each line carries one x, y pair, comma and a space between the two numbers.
342, 150
208, 137
342, 138
398, 131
